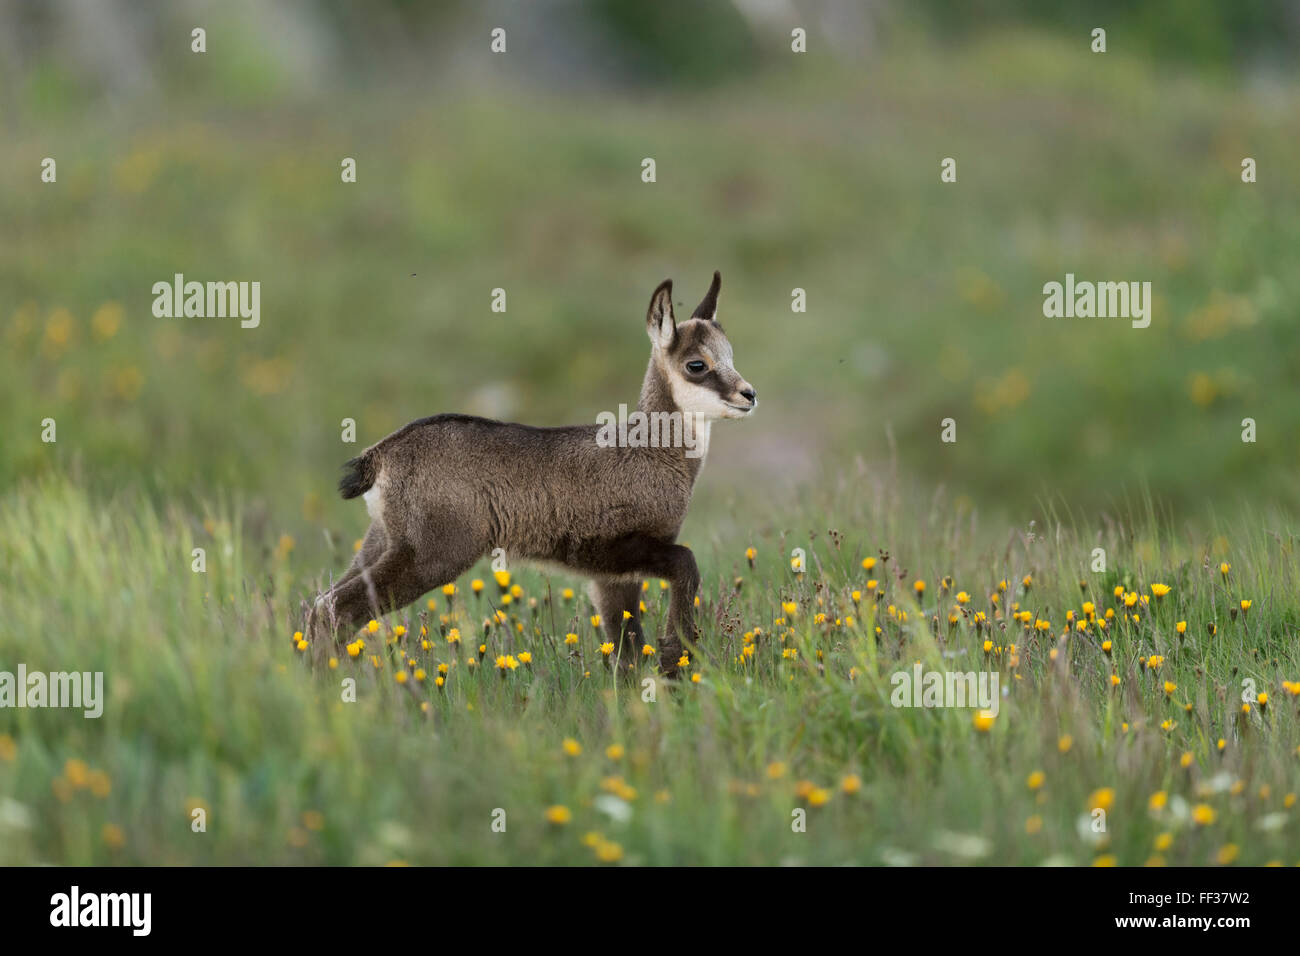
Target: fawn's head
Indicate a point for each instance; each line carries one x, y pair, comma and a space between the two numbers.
694, 357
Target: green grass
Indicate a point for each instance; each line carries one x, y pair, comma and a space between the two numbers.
924, 303
210, 704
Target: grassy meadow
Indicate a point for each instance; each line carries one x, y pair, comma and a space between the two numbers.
469, 704
1123, 688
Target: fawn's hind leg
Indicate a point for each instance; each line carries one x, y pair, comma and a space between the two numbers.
394, 580
612, 598
373, 545
321, 617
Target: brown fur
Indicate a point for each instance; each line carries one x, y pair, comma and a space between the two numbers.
451, 488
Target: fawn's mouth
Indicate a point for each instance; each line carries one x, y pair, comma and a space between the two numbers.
744, 409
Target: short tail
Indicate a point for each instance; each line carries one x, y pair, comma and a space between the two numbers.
359, 475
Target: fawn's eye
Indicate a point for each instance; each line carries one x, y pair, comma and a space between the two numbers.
695, 367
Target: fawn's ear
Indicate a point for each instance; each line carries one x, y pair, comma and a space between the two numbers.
660, 323
708, 307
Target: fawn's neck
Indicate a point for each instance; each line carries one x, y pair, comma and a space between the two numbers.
657, 396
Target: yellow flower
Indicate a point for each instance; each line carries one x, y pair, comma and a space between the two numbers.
750, 555
113, 836
558, 815
1170, 687
1181, 627
918, 587
1245, 606
852, 783
607, 648
1224, 568
1203, 814
1164, 841
818, 797
570, 638
614, 751
567, 594
983, 721
1227, 853
684, 661
1158, 800
1035, 780
963, 597
1160, 590
77, 773
571, 747
796, 563
776, 770
868, 564
1101, 799
107, 320
372, 625
1065, 743
595, 620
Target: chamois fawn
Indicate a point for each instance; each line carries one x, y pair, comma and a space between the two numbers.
442, 492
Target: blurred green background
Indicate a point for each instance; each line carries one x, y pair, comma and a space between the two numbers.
522, 170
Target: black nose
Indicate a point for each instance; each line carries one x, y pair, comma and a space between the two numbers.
749, 394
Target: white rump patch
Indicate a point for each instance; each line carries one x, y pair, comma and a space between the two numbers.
374, 499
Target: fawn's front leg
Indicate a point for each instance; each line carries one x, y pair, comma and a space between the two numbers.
684, 583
